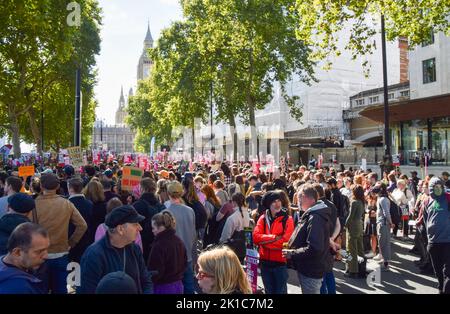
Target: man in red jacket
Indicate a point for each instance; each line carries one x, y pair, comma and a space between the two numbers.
274, 228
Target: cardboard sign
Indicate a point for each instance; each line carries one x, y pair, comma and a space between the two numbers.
26, 171
252, 269
76, 156
215, 167
131, 176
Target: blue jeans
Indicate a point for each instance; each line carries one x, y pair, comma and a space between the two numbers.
57, 273
188, 279
328, 284
309, 285
274, 279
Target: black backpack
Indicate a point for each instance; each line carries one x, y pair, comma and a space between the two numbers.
395, 212
213, 230
237, 244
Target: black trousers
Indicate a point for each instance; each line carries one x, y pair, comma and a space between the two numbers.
440, 258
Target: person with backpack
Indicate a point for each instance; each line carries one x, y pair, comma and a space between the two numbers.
147, 205
384, 223
437, 219
233, 230
212, 203
273, 229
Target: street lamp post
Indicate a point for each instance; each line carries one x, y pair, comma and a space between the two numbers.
387, 160
77, 127
211, 105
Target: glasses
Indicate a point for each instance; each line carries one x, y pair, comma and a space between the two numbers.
201, 274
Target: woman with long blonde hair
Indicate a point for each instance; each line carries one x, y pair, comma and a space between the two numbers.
220, 272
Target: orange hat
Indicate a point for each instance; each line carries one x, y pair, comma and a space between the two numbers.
164, 174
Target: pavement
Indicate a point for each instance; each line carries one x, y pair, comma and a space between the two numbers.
402, 278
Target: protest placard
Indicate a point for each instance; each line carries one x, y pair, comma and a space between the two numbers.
131, 177
76, 156
26, 171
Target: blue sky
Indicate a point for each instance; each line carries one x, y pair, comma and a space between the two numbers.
123, 32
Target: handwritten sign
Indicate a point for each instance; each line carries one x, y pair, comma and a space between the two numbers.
26, 171
76, 156
131, 177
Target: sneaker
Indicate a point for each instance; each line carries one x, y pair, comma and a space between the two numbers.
378, 257
370, 255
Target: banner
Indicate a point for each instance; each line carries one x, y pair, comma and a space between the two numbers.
252, 268
76, 156
152, 147
5, 149
131, 176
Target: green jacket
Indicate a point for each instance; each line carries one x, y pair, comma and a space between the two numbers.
355, 219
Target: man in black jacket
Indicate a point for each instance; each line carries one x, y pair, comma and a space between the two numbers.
309, 246
116, 251
20, 206
85, 207
148, 205
329, 282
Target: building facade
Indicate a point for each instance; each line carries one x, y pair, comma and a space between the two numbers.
145, 63
420, 122
119, 137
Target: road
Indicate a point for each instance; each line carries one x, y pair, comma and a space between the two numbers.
403, 278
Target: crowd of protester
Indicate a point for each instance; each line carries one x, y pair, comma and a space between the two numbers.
186, 232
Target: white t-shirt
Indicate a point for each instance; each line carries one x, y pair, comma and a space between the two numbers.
235, 223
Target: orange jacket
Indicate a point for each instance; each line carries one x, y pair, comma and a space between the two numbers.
265, 236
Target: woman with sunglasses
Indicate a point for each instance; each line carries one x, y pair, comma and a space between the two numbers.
220, 272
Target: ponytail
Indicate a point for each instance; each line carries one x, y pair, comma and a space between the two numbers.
165, 219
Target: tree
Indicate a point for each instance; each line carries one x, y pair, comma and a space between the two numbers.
39, 53
320, 21
242, 47
143, 122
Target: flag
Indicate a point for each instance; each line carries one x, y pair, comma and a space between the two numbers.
152, 146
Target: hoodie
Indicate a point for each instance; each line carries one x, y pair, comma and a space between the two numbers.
311, 241
7, 225
437, 214
16, 281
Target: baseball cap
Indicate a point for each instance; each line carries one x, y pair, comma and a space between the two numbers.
175, 189
68, 170
122, 215
108, 173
